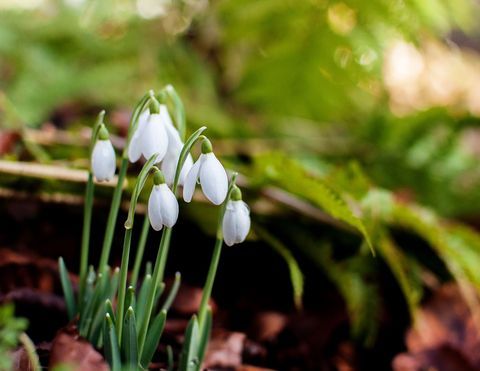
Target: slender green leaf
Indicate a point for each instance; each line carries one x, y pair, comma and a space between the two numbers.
189, 357
173, 292
129, 342
296, 275
205, 335
111, 349
142, 296
153, 338
67, 289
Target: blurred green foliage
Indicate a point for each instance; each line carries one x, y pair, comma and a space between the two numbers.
10, 330
297, 88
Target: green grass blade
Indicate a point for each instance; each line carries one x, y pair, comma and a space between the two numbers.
169, 358
205, 335
129, 345
111, 349
67, 289
189, 356
173, 292
153, 338
142, 296
130, 298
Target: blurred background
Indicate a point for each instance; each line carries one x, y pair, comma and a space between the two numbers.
354, 124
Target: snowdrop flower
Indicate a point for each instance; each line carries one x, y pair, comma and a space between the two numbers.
212, 175
150, 136
103, 157
162, 204
236, 221
175, 145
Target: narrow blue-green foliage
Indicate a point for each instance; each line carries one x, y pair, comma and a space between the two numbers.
169, 358
189, 357
205, 332
142, 296
67, 289
153, 338
111, 349
173, 292
129, 345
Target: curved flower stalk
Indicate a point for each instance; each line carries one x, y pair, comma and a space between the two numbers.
103, 156
236, 221
117, 194
212, 175
159, 268
162, 204
236, 228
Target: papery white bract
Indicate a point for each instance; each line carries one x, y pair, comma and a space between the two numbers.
175, 145
103, 160
162, 207
150, 137
236, 222
213, 179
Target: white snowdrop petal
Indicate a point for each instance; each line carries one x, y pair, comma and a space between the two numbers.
213, 179
154, 212
167, 120
154, 138
187, 165
168, 166
103, 160
229, 226
191, 179
135, 149
243, 220
168, 206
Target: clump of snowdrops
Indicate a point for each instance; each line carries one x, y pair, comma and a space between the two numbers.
121, 313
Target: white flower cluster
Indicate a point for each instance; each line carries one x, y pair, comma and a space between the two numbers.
156, 134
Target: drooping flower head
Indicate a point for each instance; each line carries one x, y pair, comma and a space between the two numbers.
175, 145
162, 204
103, 157
236, 221
150, 136
212, 175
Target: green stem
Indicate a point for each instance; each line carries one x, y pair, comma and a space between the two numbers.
122, 283
157, 278
112, 216
212, 271
87, 218
140, 251
162, 254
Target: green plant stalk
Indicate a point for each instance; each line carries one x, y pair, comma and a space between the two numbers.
87, 219
112, 215
122, 285
140, 251
87, 212
157, 278
122, 282
217, 250
162, 253
212, 271
117, 194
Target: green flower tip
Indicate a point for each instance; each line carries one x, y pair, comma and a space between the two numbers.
236, 194
206, 146
130, 310
154, 105
158, 177
162, 97
103, 133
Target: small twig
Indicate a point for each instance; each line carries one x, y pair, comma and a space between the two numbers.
31, 351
